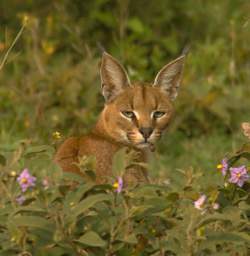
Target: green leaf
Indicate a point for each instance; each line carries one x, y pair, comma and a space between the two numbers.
3, 219
244, 152
130, 239
148, 190
136, 25
39, 149
12, 147
87, 203
91, 238
72, 177
74, 197
229, 237
173, 197
2, 160
119, 162
139, 210
212, 218
32, 221
28, 209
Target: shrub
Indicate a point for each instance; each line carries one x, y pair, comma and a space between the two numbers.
56, 213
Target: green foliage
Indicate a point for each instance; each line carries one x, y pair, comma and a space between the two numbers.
50, 83
67, 216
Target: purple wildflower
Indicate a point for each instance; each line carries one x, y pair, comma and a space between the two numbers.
223, 166
238, 175
118, 185
26, 180
199, 203
20, 199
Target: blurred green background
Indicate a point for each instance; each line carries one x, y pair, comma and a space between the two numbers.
51, 82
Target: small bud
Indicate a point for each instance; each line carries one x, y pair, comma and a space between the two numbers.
200, 202
216, 206
25, 20
13, 174
200, 232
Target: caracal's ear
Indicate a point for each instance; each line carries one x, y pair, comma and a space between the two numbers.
113, 77
169, 77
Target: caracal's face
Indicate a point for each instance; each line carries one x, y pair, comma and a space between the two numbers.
136, 114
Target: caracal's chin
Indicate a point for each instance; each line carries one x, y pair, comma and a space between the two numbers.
145, 146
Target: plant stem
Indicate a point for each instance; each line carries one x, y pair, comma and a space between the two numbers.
11, 47
234, 192
8, 194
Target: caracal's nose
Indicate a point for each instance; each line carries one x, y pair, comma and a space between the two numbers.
146, 132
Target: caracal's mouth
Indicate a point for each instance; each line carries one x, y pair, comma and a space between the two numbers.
145, 145
136, 140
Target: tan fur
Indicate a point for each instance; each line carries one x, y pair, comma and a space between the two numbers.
115, 130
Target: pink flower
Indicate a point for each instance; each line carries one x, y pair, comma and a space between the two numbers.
223, 166
199, 203
118, 185
238, 175
26, 180
216, 206
45, 183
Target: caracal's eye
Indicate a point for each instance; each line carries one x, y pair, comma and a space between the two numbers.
128, 114
158, 114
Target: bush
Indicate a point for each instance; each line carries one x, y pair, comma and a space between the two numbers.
47, 212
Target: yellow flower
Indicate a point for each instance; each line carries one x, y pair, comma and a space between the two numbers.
57, 135
48, 47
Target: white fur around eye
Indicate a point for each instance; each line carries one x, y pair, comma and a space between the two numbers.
136, 115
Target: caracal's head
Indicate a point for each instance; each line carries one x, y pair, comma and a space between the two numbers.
136, 114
